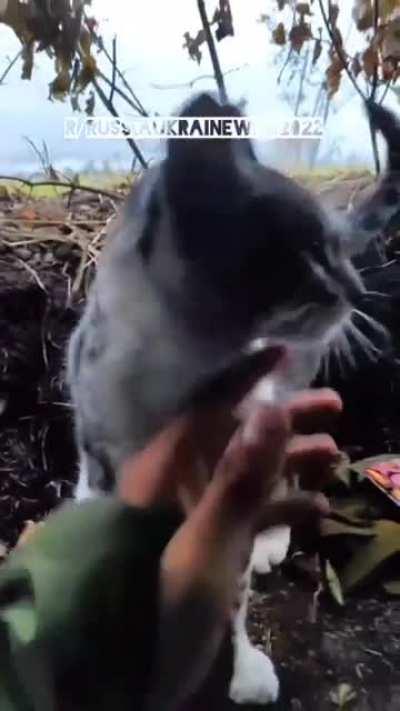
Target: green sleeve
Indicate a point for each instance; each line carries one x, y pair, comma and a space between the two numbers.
79, 610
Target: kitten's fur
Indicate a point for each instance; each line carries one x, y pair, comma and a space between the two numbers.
212, 251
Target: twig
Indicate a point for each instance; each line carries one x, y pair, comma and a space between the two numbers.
219, 77
117, 90
114, 68
10, 66
33, 273
61, 184
374, 87
339, 49
190, 84
113, 111
138, 106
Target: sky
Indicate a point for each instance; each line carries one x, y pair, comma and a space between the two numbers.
150, 39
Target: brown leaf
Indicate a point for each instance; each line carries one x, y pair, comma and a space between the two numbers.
334, 75
391, 40
299, 34
279, 34
387, 7
333, 14
363, 14
388, 70
370, 61
192, 44
303, 8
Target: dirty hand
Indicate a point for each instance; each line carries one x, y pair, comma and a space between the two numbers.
201, 564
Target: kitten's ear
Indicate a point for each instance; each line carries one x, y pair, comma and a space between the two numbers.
374, 213
205, 167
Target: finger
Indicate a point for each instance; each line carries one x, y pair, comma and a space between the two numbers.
228, 387
202, 562
312, 457
154, 473
302, 508
254, 459
314, 408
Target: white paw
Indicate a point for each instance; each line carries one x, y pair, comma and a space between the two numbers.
254, 680
270, 548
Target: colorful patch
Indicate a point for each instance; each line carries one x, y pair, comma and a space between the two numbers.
386, 476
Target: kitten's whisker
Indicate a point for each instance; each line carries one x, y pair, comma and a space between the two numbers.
380, 294
347, 349
368, 347
373, 323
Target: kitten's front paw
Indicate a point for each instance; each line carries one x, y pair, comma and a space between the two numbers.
270, 548
254, 680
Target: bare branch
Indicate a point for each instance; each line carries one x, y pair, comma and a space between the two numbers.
374, 87
114, 69
192, 82
219, 77
338, 49
10, 66
113, 111
60, 184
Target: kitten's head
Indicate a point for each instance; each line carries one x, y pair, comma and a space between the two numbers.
250, 239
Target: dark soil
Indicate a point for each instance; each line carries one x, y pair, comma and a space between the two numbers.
359, 644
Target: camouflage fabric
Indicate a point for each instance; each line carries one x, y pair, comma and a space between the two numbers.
78, 609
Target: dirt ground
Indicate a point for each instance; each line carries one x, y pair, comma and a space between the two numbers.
47, 253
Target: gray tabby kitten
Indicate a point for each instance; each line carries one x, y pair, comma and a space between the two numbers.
212, 251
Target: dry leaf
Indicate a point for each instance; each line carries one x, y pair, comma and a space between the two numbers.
333, 583
391, 40
303, 8
392, 587
342, 470
279, 34
333, 14
363, 14
192, 44
370, 61
384, 545
334, 75
331, 527
387, 7
223, 18
299, 34
55, 26
343, 696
